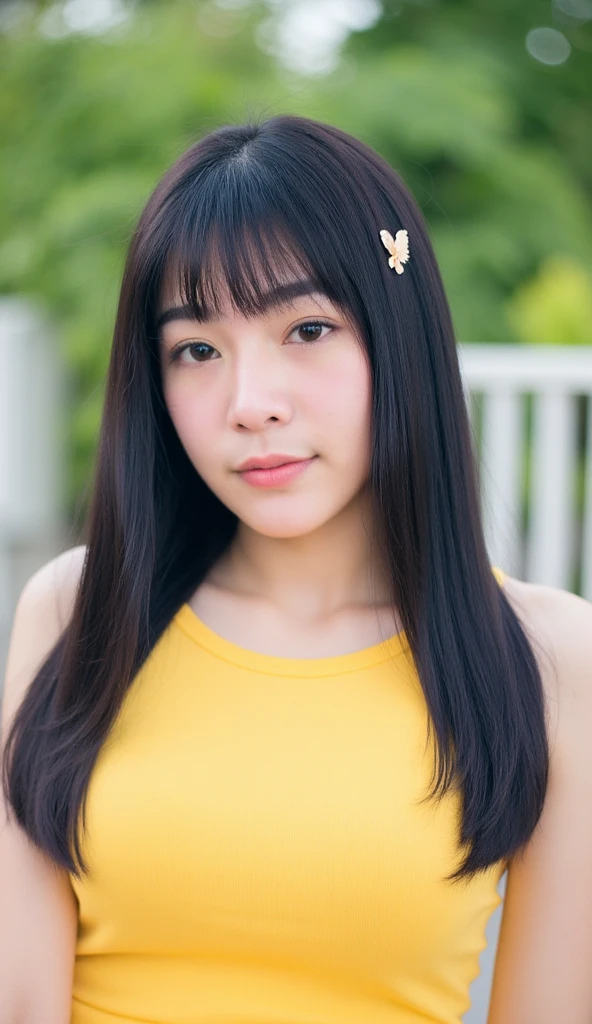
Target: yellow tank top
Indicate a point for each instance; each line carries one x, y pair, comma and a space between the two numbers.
257, 850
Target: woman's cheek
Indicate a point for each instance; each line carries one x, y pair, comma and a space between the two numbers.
193, 418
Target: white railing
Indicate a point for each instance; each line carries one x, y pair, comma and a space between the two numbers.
555, 545
31, 453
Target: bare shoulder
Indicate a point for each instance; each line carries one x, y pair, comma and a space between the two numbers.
556, 615
42, 612
560, 625
55, 584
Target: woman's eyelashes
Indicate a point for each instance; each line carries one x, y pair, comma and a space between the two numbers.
202, 348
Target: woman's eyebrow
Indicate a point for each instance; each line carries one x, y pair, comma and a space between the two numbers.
282, 294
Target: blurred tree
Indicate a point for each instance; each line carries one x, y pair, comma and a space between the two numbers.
554, 307
494, 143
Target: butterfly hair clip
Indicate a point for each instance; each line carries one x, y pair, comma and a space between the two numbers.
398, 248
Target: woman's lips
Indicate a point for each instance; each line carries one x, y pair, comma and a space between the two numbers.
276, 476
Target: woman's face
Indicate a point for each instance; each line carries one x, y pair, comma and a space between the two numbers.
294, 381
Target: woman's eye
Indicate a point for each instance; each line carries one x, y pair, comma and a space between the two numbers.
190, 346
310, 331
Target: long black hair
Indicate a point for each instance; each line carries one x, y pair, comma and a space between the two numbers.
243, 207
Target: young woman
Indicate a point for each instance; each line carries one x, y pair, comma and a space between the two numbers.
272, 736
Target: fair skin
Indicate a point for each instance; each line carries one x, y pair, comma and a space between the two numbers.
300, 575
298, 584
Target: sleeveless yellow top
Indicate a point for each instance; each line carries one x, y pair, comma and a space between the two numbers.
258, 854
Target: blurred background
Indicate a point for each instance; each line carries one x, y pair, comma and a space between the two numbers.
484, 109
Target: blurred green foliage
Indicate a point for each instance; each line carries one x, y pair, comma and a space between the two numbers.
554, 307
495, 146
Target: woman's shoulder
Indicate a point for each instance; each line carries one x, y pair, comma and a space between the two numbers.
54, 586
43, 610
560, 625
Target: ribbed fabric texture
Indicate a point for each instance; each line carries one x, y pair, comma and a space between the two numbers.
258, 852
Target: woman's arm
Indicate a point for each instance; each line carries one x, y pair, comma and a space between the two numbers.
38, 908
543, 969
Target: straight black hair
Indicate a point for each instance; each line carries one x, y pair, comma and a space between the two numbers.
242, 211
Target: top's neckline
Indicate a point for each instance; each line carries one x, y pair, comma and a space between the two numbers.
272, 664
392, 647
